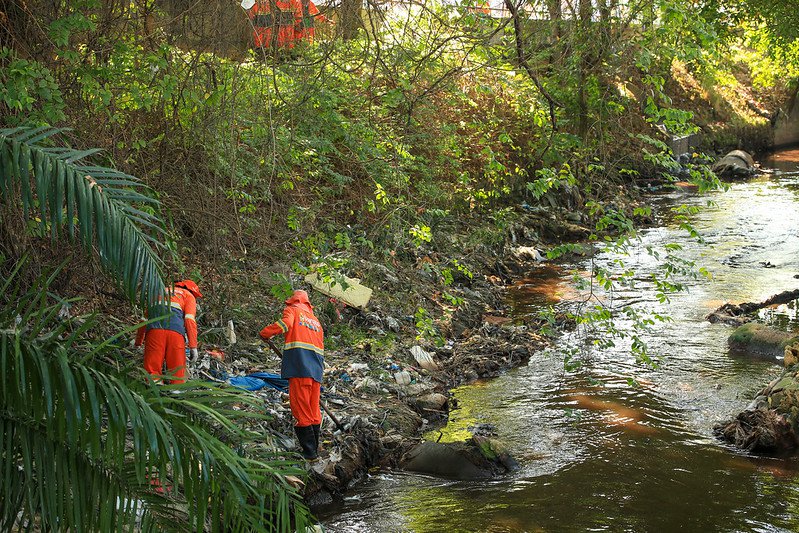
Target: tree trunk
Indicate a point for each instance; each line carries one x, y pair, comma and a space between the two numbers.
555, 9
350, 18
586, 12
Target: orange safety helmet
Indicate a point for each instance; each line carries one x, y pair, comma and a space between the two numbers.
190, 286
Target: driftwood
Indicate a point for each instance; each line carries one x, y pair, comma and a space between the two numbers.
770, 424
759, 430
736, 314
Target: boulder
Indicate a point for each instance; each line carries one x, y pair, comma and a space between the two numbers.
759, 340
476, 458
433, 401
735, 165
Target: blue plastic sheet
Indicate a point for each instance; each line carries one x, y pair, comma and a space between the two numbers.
259, 380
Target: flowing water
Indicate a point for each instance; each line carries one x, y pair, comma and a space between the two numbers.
599, 454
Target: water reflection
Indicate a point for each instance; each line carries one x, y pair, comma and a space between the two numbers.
616, 446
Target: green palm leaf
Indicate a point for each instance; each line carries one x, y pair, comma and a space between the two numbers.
87, 445
101, 202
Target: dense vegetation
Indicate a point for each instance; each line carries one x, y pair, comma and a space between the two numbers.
399, 128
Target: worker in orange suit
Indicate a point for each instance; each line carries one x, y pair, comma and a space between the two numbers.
302, 364
481, 8
164, 339
273, 22
305, 26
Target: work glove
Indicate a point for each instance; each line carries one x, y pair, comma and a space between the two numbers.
193, 355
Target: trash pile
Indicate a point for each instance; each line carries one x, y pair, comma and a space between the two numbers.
369, 403
490, 351
384, 402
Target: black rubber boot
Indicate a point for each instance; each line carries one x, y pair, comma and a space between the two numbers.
317, 431
305, 435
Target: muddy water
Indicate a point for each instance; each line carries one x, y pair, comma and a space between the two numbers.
599, 454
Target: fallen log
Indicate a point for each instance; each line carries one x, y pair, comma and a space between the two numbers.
736, 314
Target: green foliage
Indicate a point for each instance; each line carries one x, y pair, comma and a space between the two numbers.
389, 140
548, 179
421, 234
282, 288
28, 92
88, 443
425, 327
773, 60
95, 205
455, 301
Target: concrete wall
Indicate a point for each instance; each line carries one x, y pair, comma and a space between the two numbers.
786, 127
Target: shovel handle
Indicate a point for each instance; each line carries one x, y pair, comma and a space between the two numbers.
321, 403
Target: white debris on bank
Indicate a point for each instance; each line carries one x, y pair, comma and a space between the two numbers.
355, 295
424, 359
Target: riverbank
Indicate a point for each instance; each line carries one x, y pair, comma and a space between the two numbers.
385, 382
486, 341
615, 434
385, 396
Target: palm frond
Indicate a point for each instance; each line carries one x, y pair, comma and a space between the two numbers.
87, 446
95, 205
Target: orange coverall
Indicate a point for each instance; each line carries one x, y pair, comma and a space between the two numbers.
275, 29
163, 340
302, 364
303, 357
310, 14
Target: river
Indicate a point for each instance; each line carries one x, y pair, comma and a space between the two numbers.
599, 453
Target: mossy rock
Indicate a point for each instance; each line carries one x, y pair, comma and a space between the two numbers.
486, 448
476, 458
760, 341
785, 383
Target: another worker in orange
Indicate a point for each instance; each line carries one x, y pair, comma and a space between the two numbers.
305, 26
302, 364
274, 22
481, 8
164, 339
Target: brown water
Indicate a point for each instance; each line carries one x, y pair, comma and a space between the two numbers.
598, 454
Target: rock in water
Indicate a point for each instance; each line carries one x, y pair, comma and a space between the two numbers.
475, 458
735, 165
771, 423
759, 340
